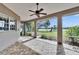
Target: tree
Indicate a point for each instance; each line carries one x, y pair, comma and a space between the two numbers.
46, 24
28, 24
53, 28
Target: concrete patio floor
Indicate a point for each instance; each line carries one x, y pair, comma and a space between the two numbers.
18, 48
46, 47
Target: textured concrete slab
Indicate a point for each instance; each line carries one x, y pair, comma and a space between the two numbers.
41, 47
18, 49
46, 47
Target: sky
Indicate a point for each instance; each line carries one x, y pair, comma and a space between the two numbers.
53, 21
68, 21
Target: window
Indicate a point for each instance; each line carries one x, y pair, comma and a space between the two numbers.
12, 25
6, 22
1, 24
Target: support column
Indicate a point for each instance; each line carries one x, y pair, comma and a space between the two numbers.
59, 30
9, 24
35, 29
24, 28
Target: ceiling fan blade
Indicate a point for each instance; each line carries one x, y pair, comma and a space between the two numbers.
43, 13
41, 9
31, 11
32, 14
38, 15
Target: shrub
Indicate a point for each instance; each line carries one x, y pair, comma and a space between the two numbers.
52, 38
21, 33
28, 34
44, 37
73, 31
48, 38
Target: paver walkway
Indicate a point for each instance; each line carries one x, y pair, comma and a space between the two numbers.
18, 49
46, 47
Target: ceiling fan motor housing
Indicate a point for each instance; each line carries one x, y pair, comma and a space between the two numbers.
37, 12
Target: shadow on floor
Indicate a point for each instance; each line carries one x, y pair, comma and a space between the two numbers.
60, 50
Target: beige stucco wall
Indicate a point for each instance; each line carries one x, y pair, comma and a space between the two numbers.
9, 37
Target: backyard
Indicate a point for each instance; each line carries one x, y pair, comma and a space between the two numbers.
70, 35
47, 29
47, 33
52, 34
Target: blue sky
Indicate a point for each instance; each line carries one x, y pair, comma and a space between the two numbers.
53, 21
67, 21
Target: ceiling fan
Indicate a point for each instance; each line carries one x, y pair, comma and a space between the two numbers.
38, 12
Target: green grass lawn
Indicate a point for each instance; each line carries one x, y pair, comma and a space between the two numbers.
53, 34
50, 34
47, 33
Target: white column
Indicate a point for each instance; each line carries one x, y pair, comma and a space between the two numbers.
35, 29
59, 30
24, 28
9, 23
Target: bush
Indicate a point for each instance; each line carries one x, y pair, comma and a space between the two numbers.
48, 38
73, 34
28, 34
44, 37
73, 31
21, 33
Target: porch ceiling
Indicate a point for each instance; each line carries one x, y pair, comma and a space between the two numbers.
22, 8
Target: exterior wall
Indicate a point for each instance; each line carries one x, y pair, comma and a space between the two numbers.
9, 37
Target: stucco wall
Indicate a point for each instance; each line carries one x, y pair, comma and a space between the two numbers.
9, 37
